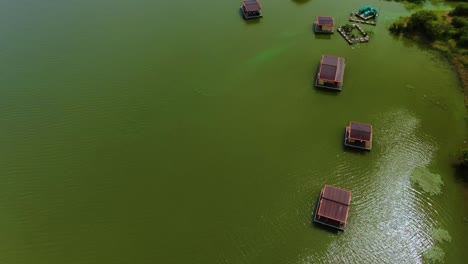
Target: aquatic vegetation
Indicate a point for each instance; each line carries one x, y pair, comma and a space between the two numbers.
434, 255
440, 235
268, 54
430, 182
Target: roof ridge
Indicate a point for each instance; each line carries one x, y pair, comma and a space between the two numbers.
331, 200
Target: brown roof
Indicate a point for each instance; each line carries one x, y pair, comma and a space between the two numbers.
336, 194
360, 131
325, 20
334, 203
251, 5
332, 68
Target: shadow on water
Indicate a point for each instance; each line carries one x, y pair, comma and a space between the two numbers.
355, 151
325, 91
324, 227
412, 41
314, 224
301, 2
322, 36
461, 174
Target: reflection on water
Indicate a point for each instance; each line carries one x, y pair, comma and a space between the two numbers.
387, 224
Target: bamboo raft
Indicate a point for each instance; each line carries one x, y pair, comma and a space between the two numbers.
352, 19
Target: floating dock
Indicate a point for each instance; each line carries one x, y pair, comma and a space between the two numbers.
355, 20
350, 40
367, 12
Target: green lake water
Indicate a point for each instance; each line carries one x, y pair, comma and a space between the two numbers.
176, 132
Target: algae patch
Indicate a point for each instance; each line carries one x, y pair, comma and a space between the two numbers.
434, 255
430, 182
267, 54
440, 235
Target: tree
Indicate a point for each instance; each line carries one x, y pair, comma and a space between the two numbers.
398, 26
459, 22
347, 27
463, 42
460, 10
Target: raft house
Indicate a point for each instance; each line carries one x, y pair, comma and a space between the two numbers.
324, 24
251, 9
331, 72
367, 12
359, 135
333, 207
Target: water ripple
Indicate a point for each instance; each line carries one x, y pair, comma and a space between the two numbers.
389, 220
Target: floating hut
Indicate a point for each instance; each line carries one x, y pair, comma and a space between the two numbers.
367, 12
324, 24
331, 72
251, 9
359, 135
333, 207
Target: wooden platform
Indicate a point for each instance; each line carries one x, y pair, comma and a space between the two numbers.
352, 19
333, 207
366, 18
351, 41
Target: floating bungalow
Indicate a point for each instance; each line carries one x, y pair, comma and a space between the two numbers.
251, 9
331, 72
324, 24
359, 135
333, 207
367, 12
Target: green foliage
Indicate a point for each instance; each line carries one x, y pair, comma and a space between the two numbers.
459, 22
463, 158
398, 27
460, 10
347, 27
463, 42
426, 22
435, 27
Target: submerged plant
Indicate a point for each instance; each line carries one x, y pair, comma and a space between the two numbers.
369, 32
440, 235
430, 182
434, 255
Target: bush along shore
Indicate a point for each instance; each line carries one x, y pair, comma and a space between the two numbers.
444, 31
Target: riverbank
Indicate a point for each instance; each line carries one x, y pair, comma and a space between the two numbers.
443, 31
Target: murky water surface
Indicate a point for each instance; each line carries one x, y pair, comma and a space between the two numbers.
175, 132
